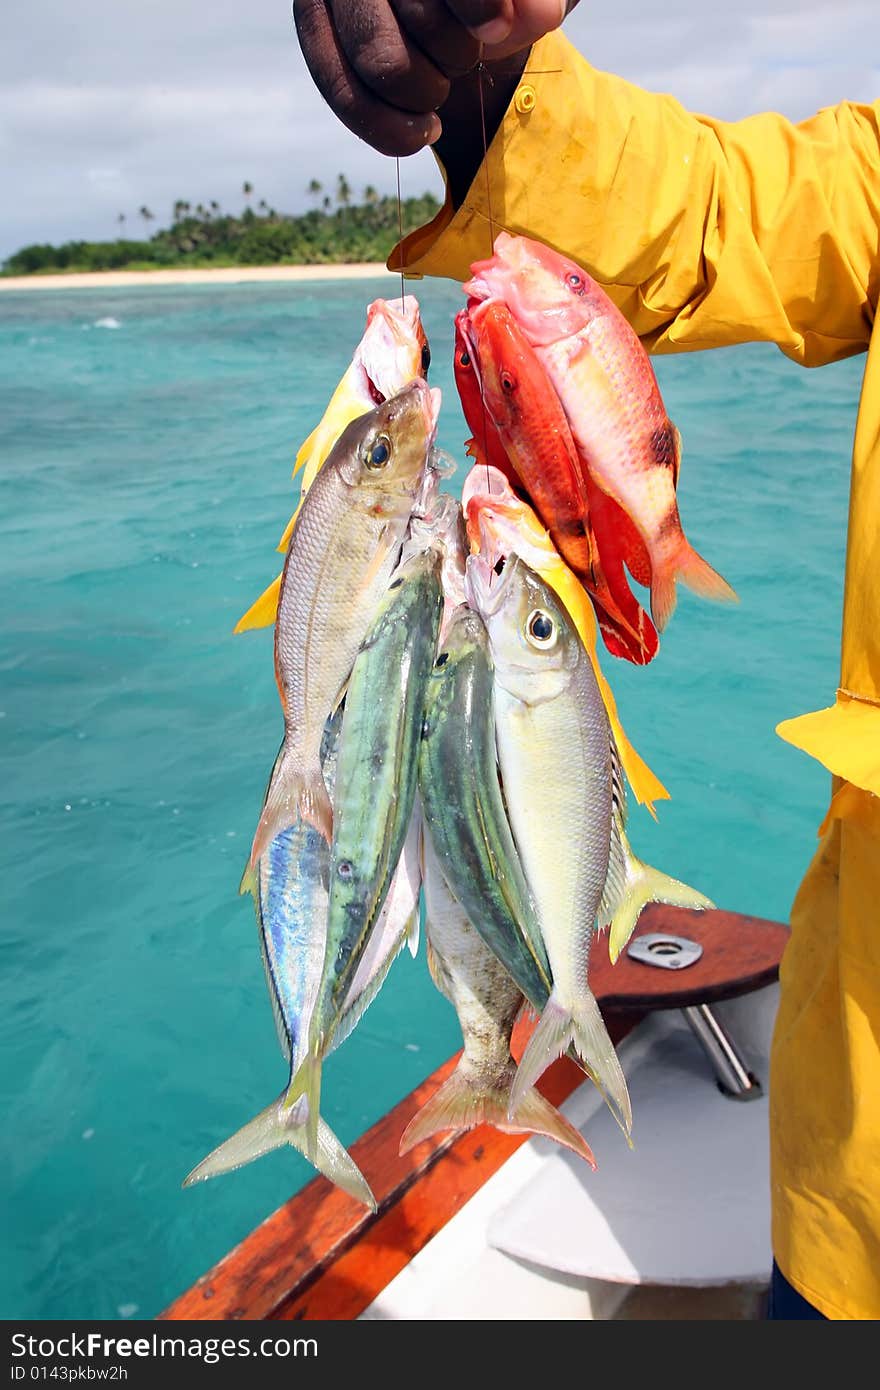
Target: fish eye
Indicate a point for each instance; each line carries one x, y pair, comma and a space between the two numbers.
442, 659
379, 452
464, 360
426, 359
541, 629
575, 282
508, 383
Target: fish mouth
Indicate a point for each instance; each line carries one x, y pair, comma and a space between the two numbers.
396, 352
486, 583
479, 287
484, 481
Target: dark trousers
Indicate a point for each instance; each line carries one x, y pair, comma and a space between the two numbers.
785, 1303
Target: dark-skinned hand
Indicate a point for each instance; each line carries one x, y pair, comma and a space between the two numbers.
388, 67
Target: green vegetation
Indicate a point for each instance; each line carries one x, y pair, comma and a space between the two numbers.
205, 236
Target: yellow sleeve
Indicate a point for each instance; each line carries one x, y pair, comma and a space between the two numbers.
705, 233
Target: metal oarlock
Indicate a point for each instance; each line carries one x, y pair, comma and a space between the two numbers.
667, 952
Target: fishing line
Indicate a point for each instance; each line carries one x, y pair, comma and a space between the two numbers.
400, 229
482, 75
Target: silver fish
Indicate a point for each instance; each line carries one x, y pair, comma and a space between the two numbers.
487, 1003
342, 552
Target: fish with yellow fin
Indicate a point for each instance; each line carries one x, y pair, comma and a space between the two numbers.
501, 523
393, 352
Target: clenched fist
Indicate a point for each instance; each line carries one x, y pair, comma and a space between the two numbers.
387, 67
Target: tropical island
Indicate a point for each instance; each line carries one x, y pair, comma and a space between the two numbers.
337, 231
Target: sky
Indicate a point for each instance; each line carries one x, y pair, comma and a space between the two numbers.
107, 105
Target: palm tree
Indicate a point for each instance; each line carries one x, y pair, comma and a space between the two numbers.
315, 188
215, 206
371, 197
148, 216
200, 209
247, 188
263, 205
326, 203
343, 191
178, 209
121, 220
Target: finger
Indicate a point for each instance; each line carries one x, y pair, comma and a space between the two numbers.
385, 59
432, 25
387, 129
490, 21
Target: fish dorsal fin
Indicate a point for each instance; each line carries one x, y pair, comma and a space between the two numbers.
616, 879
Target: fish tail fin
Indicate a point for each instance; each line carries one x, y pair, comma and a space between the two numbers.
292, 793
663, 598
460, 1103
644, 885
303, 1100
556, 1028
697, 574
552, 1034
271, 1129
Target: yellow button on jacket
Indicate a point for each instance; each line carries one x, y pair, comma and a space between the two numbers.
707, 233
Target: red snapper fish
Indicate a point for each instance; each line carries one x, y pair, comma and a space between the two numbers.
484, 446
609, 392
534, 431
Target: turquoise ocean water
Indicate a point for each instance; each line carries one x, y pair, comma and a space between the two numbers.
144, 480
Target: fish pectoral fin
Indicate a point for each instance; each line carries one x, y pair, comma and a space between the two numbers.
271, 1129
385, 545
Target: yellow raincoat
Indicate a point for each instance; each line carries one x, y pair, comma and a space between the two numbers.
707, 233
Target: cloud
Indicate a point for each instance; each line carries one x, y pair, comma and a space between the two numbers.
115, 105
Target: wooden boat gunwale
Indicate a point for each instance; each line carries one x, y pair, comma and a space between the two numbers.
323, 1256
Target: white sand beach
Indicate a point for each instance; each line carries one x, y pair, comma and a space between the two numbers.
229, 275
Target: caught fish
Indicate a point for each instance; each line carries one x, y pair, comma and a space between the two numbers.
499, 525
393, 352
464, 813
487, 1003
605, 381
484, 446
342, 552
290, 890
558, 768
442, 527
535, 434
375, 790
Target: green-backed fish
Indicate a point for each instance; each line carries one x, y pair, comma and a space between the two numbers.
290, 889
487, 1002
343, 549
558, 767
464, 811
375, 788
